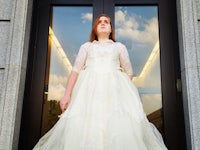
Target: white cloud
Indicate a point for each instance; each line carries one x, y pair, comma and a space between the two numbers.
86, 17
135, 29
55, 79
56, 92
120, 16
57, 85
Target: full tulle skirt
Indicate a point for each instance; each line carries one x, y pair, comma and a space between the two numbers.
105, 113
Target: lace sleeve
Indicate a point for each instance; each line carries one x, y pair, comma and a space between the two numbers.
80, 59
125, 61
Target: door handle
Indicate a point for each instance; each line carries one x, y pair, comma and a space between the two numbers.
179, 85
46, 89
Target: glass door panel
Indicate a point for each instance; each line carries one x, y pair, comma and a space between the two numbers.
137, 27
69, 28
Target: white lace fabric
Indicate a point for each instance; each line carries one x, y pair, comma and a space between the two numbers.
103, 54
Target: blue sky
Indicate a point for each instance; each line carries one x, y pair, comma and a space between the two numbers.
70, 29
133, 20
67, 21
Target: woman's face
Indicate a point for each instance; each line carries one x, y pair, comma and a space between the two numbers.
104, 25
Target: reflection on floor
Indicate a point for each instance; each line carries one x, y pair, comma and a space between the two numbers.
156, 119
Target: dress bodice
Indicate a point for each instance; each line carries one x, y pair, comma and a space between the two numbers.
103, 56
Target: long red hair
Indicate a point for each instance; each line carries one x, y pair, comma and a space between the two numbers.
93, 34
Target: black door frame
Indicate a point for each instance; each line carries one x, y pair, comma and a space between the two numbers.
31, 121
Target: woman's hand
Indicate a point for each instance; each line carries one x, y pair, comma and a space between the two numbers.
64, 102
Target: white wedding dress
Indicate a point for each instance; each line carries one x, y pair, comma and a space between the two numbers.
105, 112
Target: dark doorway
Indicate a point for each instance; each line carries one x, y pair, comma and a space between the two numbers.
36, 108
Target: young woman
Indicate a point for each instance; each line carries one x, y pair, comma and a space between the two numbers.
101, 106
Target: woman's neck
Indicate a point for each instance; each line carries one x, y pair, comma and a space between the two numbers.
103, 37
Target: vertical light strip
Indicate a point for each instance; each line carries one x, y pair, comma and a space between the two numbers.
150, 60
61, 54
